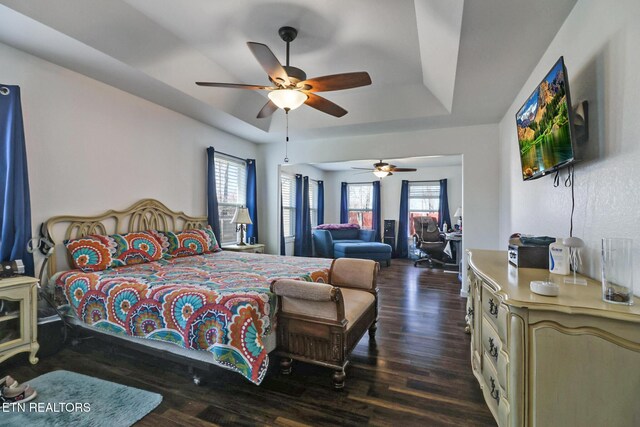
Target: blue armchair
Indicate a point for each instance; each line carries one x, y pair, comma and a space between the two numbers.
324, 240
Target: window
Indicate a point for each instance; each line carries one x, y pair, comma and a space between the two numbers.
313, 202
360, 204
231, 188
424, 200
288, 188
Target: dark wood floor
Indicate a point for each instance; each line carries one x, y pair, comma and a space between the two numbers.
417, 373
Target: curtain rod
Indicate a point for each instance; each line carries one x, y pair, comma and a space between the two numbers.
433, 180
230, 155
362, 182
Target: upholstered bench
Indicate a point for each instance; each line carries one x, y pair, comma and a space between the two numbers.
322, 323
375, 251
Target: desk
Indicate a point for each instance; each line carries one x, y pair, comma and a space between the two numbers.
455, 239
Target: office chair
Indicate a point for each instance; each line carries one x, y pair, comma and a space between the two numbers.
430, 242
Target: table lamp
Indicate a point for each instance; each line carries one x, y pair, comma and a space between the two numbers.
241, 219
458, 215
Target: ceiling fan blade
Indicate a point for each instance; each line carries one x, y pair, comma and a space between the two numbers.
268, 109
363, 169
338, 81
403, 170
270, 63
324, 105
235, 86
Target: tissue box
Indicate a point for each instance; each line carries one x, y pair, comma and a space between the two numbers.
528, 256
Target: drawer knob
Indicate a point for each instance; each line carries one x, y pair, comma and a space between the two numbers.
493, 308
493, 349
495, 393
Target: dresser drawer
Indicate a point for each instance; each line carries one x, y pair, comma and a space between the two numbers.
492, 389
470, 313
494, 351
491, 342
495, 312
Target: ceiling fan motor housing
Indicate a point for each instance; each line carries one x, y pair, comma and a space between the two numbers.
296, 75
288, 34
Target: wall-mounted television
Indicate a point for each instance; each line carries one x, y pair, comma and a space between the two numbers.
545, 126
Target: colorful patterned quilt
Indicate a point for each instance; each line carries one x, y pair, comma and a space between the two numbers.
218, 302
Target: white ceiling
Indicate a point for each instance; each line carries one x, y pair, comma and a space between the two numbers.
406, 162
433, 63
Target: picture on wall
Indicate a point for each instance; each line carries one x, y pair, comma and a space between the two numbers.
544, 128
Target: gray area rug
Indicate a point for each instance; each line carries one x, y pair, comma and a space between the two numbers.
70, 399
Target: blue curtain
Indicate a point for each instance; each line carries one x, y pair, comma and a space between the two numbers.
443, 212
252, 199
377, 211
344, 203
402, 247
283, 248
302, 245
212, 198
320, 202
15, 214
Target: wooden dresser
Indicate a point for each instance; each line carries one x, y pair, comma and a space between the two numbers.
570, 360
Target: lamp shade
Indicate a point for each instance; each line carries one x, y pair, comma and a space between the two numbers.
458, 213
287, 99
241, 216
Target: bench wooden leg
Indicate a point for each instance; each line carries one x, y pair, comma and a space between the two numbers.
285, 365
372, 331
338, 378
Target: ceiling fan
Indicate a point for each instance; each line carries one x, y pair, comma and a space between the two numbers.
291, 88
382, 169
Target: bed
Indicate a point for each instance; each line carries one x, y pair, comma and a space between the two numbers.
213, 307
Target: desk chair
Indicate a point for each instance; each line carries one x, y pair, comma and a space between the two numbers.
430, 241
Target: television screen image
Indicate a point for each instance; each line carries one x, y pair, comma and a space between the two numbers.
544, 126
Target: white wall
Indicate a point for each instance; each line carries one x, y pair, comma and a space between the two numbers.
305, 170
477, 144
390, 189
92, 147
599, 42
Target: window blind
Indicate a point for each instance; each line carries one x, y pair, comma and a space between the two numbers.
288, 189
231, 188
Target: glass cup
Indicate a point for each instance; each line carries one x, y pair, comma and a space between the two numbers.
617, 271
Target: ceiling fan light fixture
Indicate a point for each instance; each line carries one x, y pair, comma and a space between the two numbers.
380, 174
288, 99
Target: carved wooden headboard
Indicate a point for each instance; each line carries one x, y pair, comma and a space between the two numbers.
147, 214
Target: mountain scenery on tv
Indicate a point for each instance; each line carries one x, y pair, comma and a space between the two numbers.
543, 126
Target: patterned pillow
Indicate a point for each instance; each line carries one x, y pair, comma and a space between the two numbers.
188, 242
95, 252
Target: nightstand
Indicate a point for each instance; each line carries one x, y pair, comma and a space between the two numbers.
19, 317
258, 248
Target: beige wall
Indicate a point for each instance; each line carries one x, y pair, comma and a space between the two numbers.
92, 147
599, 42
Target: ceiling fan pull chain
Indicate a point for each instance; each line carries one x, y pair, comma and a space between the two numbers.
286, 141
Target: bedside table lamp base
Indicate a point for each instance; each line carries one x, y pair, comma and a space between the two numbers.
240, 228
